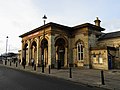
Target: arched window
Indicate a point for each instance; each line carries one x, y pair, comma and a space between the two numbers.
80, 51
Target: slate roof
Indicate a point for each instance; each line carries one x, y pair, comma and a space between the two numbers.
103, 47
110, 35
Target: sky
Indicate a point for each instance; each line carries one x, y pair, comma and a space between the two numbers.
20, 16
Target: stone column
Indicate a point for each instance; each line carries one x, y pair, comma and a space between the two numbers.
38, 50
56, 57
29, 52
22, 50
70, 52
53, 51
75, 56
66, 57
56, 53
40, 56
49, 51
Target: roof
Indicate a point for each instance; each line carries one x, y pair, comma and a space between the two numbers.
103, 48
90, 26
63, 27
110, 35
44, 26
10, 54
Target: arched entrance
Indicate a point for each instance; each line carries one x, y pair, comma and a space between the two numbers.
60, 47
34, 51
44, 51
61, 52
110, 66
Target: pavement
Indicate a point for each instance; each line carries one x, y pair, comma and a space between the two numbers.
89, 77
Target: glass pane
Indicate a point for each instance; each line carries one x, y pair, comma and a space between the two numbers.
78, 56
78, 48
81, 56
80, 51
81, 48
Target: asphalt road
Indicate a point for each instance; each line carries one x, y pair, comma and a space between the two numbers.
11, 79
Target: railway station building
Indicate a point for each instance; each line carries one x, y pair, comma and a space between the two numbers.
84, 46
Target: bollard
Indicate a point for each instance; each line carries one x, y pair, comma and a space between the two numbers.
5, 62
70, 72
58, 66
102, 78
42, 68
49, 69
16, 64
24, 66
10, 63
35, 67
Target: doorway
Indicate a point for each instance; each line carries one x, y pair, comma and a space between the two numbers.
61, 52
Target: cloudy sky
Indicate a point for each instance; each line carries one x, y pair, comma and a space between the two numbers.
20, 16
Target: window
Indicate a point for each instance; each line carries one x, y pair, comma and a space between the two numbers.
94, 58
100, 60
80, 51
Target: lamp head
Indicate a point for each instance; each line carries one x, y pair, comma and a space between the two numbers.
44, 17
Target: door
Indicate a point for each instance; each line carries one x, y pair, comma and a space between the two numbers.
109, 62
61, 52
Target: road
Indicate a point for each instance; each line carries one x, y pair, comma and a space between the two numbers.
11, 79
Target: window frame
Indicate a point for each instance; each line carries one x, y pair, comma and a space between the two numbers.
80, 51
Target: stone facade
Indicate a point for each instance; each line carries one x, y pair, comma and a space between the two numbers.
115, 43
68, 46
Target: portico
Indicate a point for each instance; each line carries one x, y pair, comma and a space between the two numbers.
55, 47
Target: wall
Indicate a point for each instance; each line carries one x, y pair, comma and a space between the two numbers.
99, 59
113, 42
82, 35
56, 34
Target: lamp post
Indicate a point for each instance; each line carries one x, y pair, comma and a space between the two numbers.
6, 50
44, 19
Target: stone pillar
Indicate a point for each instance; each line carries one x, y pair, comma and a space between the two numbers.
70, 52
49, 51
29, 52
75, 56
53, 51
38, 50
56, 52
66, 57
22, 50
56, 56
40, 56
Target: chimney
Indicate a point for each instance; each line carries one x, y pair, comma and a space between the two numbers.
97, 22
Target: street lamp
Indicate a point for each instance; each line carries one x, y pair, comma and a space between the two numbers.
6, 50
44, 19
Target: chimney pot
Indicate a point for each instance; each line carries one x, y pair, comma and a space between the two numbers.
97, 22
